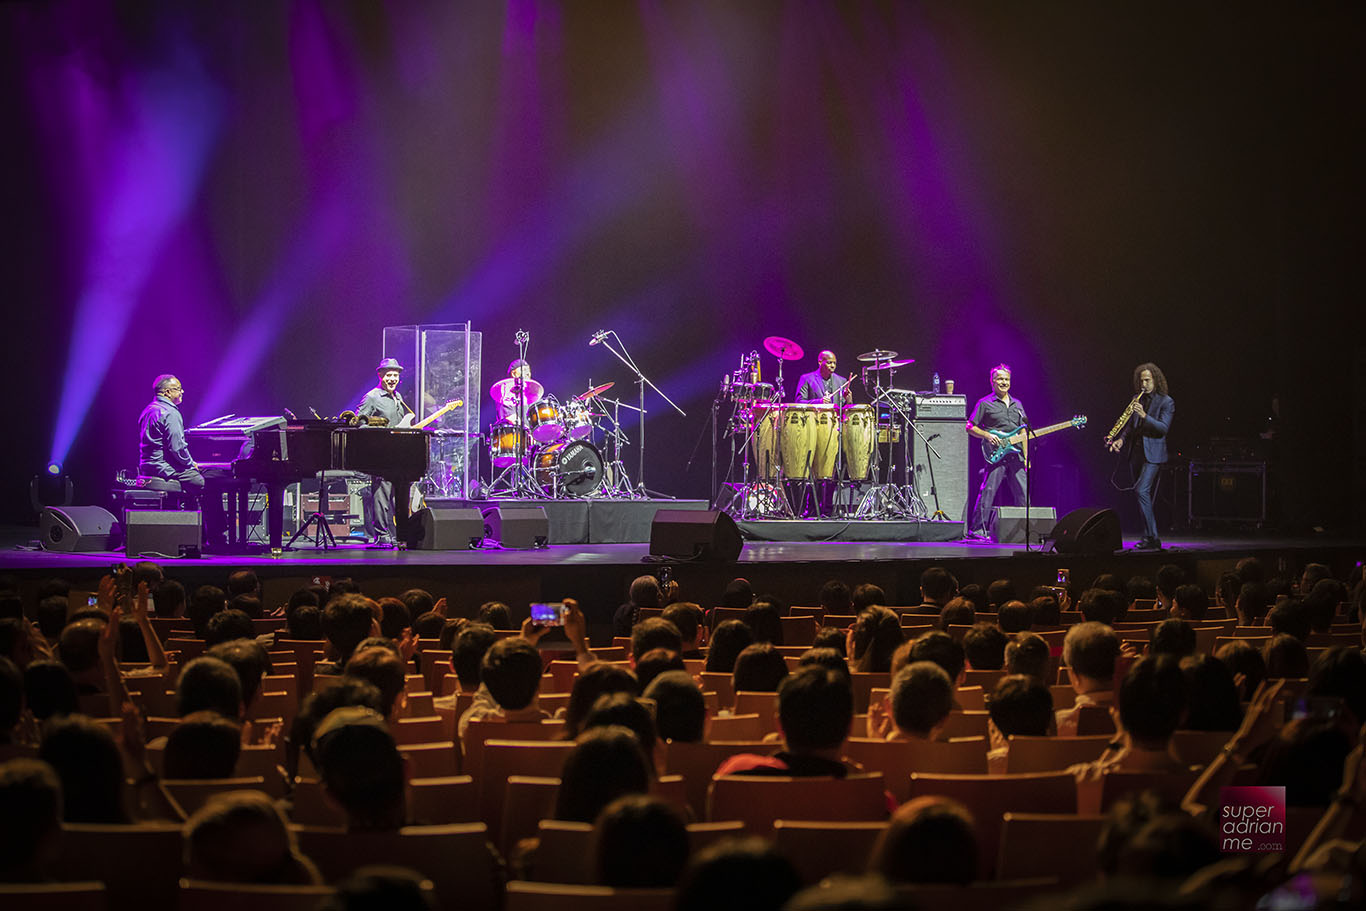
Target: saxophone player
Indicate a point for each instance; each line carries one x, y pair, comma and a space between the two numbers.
1143, 438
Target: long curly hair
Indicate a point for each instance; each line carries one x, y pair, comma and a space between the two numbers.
1159, 378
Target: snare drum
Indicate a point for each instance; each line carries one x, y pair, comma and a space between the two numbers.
503, 444
578, 421
857, 440
544, 418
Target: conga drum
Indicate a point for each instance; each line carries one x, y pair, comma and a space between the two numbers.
797, 438
857, 442
824, 420
764, 443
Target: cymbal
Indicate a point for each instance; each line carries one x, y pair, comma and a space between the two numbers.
887, 365
531, 390
783, 348
592, 392
877, 354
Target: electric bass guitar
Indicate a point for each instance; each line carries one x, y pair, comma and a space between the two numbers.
1011, 440
408, 418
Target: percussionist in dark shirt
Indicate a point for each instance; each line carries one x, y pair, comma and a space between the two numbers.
997, 412
823, 385
384, 401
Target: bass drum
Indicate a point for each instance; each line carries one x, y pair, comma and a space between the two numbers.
857, 440
569, 466
504, 448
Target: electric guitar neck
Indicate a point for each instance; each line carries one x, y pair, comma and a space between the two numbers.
408, 418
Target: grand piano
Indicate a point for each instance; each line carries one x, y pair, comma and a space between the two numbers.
277, 452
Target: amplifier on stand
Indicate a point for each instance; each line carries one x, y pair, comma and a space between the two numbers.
1227, 492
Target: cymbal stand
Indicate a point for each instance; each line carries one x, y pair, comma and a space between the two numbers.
641, 382
885, 499
620, 487
518, 476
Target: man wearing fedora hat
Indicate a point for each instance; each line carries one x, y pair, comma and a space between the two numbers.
384, 401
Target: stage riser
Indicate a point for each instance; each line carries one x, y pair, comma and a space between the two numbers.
835, 530
589, 521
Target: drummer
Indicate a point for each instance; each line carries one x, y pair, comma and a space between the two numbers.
822, 385
519, 371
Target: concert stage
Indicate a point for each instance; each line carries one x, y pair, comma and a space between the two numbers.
598, 575
850, 530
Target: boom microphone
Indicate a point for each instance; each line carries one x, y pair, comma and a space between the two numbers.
598, 336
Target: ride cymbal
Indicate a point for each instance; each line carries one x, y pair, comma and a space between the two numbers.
783, 348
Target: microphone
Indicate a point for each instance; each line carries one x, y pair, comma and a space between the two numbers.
289, 414
598, 336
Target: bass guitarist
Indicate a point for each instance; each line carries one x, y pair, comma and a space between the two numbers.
1000, 413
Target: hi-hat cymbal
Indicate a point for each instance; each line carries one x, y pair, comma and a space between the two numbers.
783, 348
877, 354
582, 397
887, 365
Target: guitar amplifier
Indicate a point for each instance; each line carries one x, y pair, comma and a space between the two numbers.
941, 407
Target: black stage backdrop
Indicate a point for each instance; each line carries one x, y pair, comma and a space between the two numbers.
245, 194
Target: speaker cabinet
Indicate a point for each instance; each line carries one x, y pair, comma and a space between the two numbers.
695, 534
162, 533
77, 529
517, 526
1087, 531
1008, 524
446, 528
941, 476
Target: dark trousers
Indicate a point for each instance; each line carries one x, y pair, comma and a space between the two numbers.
1010, 471
1145, 490
378, 505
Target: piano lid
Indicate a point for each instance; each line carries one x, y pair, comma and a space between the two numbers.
237, 425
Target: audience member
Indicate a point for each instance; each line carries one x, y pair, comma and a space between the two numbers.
760, 668
652, 633
242, 837
764, 619
867, 595
815, 710
1172, 636
937, 588
928, 840
594, 681
361, 769
836, 598
639, 842
998, 593
1212, 701
1286, 657
1190, 603
958, 612
920, 701
202, 745
1245, 662
1089, 651
728, 640
510, 677
346, 621
738, 594
1029, 654
737, 873
1170, 577
680, 709
606, 763
209, 684
1014, 617
1100, 605
687, 617
984, 647
943, 651
385, 669
644, 592
31, 825
496, 614
824, 657
876, 634
657, 661
1152, 705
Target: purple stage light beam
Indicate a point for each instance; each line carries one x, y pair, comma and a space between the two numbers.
159, 131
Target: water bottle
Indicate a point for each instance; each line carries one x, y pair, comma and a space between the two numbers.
936, 383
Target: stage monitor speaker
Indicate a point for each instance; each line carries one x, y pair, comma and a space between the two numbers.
77, 529
695, 534
1008, 524
1087, 531
941, 476
446, 528
517, 526
161, 532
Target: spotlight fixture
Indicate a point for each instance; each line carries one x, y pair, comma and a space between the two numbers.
50, 487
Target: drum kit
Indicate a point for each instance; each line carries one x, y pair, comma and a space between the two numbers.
551, 453
814, 447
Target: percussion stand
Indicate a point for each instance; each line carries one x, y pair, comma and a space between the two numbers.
523, 481
885, 500
641, 382
621, 483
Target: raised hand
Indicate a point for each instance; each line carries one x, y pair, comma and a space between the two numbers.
104, 594
440, 608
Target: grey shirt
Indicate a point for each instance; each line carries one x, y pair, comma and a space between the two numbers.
389, 405
161, 439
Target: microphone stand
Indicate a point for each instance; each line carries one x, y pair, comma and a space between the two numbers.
1029, 481
641, 381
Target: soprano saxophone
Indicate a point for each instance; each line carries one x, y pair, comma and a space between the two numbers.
1123, 419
